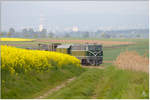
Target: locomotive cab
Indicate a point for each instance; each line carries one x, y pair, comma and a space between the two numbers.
95, 50
95, 54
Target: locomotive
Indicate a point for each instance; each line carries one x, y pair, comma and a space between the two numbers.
88, 54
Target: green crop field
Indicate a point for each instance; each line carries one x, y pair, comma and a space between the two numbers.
141, 46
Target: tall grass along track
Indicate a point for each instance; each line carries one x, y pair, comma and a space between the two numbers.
131, 60
122, 84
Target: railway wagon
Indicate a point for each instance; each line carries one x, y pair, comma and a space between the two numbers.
89, 54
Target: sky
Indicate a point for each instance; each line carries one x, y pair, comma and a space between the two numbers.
84, 15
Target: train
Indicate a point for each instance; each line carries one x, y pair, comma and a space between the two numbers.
88, 54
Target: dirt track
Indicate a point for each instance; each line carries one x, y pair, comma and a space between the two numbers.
56, 88
68, 81
99, 67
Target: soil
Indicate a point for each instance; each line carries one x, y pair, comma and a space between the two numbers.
99, 67
89, 41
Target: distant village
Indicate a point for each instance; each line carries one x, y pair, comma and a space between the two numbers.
75, 33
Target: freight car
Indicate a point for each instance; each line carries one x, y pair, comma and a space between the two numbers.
89, 54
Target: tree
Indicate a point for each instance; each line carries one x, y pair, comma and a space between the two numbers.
24, 30
11, 31
31, 30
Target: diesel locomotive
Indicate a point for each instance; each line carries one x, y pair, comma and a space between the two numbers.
89, 54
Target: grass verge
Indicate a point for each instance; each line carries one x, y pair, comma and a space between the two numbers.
108, 83
122, 84
30, 85
80, 88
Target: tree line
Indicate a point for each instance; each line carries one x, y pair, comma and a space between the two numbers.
27, 33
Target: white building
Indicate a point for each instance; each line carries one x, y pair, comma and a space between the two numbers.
40, 27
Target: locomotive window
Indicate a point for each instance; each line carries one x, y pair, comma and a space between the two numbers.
98, 48
91, 47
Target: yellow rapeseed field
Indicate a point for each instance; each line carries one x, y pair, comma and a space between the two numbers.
15, 39
17, 60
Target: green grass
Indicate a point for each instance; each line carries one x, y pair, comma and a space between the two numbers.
30, 85
93, 83
106, 83
122, 84
106, 64
80, 88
